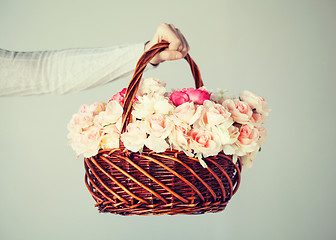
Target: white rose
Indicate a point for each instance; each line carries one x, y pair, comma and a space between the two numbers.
163, 106
156, 144
230, 148
222, 132
218, 96
97, 107
262, 135
150, 104
111, 115
76, 143
247, 160
91, 139
80, 121
158, 126
151, 86
179, 135
255, 102
111, 137
135, 136
188, 112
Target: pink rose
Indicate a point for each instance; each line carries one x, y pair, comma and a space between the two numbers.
240, 111
120, 96
197, 96
179, 97
257, 119
247, 140
215, 114
204, 142
248, 135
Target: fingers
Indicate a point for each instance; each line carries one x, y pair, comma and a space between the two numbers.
178, 41
178, 47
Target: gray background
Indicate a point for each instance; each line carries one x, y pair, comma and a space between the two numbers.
282, 50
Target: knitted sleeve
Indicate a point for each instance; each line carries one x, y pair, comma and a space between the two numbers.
64, 71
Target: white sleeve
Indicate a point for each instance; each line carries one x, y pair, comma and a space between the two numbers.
64, 71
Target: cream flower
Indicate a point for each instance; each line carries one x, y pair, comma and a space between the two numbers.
162, 106
179, 136
240, 111
97, 107
222, 132
247, 160
76, 143
230, 148
156, 144
218, 96
111, 137
150, 104
151, 86
188, 112
255, 102
262, 134
78, 123
135, 136
91, 139
158, 126
84, 109
111, 115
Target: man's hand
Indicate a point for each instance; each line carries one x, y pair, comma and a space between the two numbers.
178, 47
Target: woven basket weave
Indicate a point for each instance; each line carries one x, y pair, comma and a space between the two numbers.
128, 183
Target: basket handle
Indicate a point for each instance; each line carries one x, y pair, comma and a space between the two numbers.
140, 68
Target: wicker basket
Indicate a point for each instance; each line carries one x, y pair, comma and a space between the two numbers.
128, 183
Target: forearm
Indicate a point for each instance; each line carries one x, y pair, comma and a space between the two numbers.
64, 71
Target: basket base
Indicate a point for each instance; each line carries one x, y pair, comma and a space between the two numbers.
157, 184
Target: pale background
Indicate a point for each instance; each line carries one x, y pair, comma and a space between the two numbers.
282, 50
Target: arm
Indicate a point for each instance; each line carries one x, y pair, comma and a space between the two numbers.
64, 71
72, 70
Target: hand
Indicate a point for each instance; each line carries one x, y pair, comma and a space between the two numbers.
178, 47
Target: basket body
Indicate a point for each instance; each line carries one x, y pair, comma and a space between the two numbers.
152, 183
128, 183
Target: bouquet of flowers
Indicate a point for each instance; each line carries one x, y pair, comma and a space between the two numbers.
198, 122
